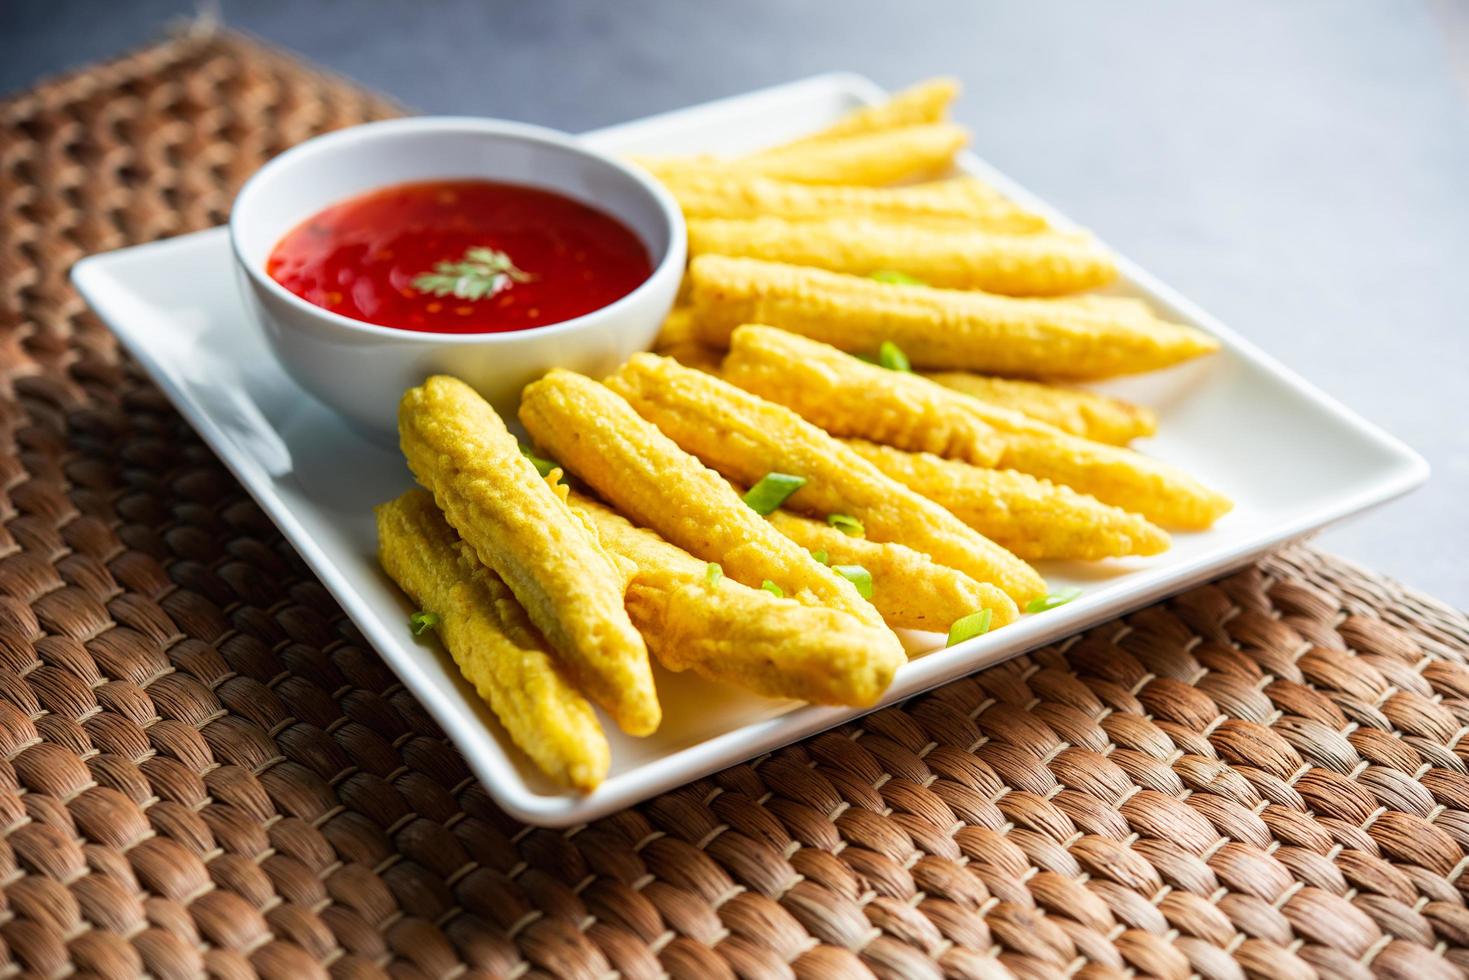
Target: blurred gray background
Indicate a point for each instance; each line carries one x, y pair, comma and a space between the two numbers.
1299, 169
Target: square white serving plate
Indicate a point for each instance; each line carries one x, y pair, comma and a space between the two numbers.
1292, 459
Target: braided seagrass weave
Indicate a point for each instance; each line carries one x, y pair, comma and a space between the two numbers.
202, 768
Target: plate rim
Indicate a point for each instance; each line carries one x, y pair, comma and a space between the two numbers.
93, 278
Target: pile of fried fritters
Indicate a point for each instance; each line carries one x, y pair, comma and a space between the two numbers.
852, 427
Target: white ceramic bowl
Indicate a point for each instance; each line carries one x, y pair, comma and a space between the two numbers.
361, 369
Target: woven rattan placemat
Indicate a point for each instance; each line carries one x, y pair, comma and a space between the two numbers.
204, 769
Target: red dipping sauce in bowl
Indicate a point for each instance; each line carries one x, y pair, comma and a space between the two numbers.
340, 246
461, 257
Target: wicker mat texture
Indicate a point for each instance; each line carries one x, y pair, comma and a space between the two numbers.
206, 771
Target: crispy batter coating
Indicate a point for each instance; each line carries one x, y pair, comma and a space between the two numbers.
1081, 413
460, 450
910, 589
732, 633
1042, 264
678, 340
962, 202
926, 102
1159, 491
854, 399
873, 159
492, 641
677, 329
1122, 307
767, 361
944, 329
745, 437
1032, 517
599, 437
701, 357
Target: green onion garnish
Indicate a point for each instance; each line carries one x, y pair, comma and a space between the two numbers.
897, 278
858, 576
968, 627
772, 490
772, 588
1052, 601
821, 557
847, 524
543, 465
891, 356
713, 573
421, 622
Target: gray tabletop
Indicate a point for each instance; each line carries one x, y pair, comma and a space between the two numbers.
1301, 170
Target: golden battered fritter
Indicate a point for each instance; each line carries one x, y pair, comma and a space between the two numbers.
940, 329
959, 202
599, 438
729, 632
950, 256
910, 589
492, 641
851, 398
1032, 517
873, 159
460, 450
1081, 413
745, 437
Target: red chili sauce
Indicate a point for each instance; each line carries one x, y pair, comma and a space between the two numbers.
377, 257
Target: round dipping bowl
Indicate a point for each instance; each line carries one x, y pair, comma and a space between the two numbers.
361, 369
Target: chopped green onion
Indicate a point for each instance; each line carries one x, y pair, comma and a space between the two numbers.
766, 496
858, 576
897, 278
866, 358
421, 622
772, 588
847, 524
891, 356
968, 627
713, 573
1052, 601
543, 465
821, 557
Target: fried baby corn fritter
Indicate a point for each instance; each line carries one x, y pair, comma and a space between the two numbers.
1031, 517
961, 202
730, 632
745, 437
872, 159
768, 362
629, 462
909, 589
945, 329
851, 398
884, 156
492, 641
1081, 413
926, 102
1042, 264
1159, 491
460, 450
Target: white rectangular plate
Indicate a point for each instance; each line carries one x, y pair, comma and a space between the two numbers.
1292, 459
